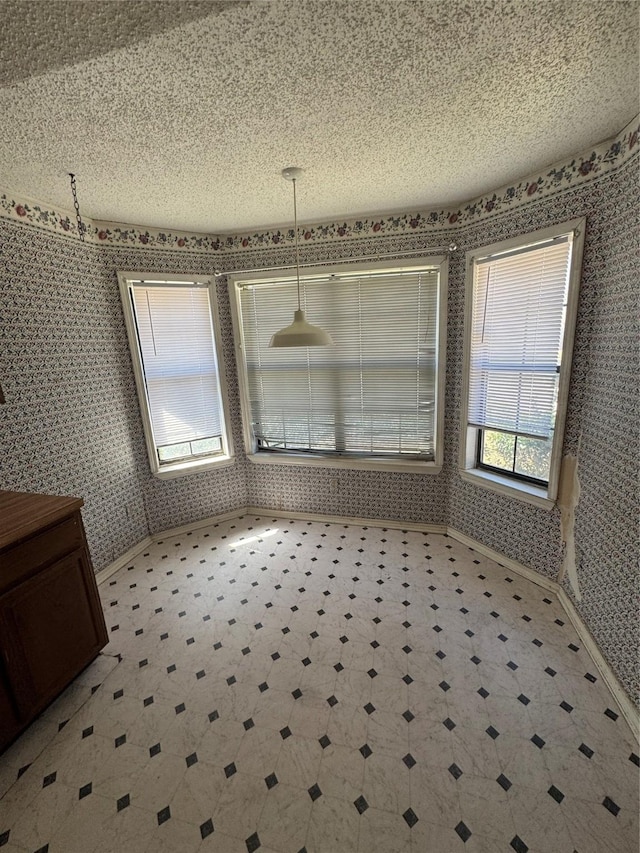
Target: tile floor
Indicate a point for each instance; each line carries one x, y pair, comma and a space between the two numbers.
289, 686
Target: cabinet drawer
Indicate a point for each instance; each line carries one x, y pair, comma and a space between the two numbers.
24, 559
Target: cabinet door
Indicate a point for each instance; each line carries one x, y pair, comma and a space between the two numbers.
49, 632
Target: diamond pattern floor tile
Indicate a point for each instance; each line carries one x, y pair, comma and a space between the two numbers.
292, 686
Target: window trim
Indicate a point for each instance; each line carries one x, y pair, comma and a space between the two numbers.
467, 459
371, 463
179, 468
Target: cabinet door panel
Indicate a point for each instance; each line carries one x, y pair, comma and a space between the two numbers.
48, 632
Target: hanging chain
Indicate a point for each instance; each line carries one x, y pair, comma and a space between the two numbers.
77, 206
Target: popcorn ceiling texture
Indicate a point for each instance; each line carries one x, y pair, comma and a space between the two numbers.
181, 115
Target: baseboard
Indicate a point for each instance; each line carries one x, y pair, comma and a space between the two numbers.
507, 562
627, 707
623, 701
197, 525
344, 519
125, 559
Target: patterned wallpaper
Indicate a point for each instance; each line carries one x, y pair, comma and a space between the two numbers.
72, 424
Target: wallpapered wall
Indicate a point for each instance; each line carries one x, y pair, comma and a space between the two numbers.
72, 426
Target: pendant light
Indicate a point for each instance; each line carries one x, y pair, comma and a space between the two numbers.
300, 333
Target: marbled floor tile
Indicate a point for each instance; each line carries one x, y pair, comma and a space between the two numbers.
285, 686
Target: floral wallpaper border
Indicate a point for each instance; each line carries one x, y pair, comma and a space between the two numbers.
603, 159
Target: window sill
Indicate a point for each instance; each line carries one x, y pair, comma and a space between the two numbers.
510, 488
375, 464
182, 469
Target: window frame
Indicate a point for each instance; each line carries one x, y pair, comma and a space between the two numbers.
237, 280
513, 485
180, 467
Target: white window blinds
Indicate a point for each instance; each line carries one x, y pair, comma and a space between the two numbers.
518, 314
373, 393
180, 368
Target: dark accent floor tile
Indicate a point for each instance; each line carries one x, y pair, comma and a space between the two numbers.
493, 733
271, 780
585, 750
504, 783
206, 828
361, 804
449, 724
229, 770
611, 806
253, 843
191, 759
285, 732
410, 817
366, 750
409, 760
154, 750
85, 791
556, 794
518, 844
537, 740
369, 708
49, 779
314, 792
164, 815
463, 831
123, 802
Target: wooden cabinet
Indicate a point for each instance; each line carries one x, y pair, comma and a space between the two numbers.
51, 621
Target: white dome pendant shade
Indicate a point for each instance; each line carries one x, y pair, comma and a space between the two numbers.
300, 333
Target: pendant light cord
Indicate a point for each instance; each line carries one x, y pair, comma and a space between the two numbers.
295, 237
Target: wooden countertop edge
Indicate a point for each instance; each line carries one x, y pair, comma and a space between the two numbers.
22, 514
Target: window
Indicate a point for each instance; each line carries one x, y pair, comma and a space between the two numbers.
172, 325
371, 400
520, 316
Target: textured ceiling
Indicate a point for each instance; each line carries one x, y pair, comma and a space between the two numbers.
182, 114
